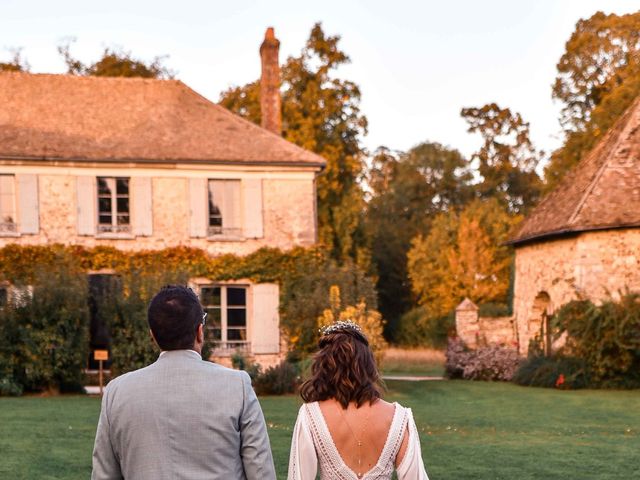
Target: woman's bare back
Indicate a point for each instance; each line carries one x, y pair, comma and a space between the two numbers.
360, 434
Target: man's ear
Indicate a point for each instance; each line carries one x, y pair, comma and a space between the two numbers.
200, 334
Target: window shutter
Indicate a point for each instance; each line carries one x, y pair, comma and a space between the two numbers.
142, 206
87, 199
252, 189
265, 321
232, 207
198, 207
28, 218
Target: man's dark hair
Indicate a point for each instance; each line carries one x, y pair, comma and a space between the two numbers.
174, 315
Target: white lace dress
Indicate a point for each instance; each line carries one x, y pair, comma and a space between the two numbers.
312, 447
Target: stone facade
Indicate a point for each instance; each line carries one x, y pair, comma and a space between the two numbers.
592, 265
284, 208
288, 209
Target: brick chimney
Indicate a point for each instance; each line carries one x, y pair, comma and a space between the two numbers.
270, 102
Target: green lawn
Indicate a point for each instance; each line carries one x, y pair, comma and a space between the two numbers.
469, 431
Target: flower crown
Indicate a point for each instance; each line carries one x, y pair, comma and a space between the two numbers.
339, 325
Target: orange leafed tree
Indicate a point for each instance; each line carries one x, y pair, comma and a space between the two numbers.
463, 256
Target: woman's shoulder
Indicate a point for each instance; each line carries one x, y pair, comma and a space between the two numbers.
392, 407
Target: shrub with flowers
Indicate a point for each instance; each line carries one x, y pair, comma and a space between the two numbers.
493, 362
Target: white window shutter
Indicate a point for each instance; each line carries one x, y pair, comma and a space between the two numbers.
87, 198
198, 207
265, 321
28, 217
252, 193
141, 206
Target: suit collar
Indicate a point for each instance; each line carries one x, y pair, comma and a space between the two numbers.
190, 354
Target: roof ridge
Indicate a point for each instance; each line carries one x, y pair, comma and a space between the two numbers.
622, 136
91, 78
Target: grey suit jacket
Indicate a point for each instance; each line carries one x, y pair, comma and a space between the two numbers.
181, 418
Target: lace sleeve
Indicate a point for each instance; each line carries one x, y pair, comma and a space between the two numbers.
412, 466
303, 462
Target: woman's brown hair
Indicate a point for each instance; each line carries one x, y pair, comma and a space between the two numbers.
343, 369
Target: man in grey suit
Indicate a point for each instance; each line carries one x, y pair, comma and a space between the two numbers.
181, 417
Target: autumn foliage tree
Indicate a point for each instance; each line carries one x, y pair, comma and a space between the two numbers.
598, 79
321, 113
463, 255
407, 190
16, 64
114, 63
507, 159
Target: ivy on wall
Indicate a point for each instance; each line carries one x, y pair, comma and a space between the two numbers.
304, 276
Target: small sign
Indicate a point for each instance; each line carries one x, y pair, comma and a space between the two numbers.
101, 354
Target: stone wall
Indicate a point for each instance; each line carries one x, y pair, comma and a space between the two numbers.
289, 215
476, 331
590, 265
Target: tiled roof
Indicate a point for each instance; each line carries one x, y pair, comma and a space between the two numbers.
64, 117
602, 192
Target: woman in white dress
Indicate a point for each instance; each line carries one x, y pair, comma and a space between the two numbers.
344, 429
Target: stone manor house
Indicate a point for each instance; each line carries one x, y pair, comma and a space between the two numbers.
148, 164
581, 241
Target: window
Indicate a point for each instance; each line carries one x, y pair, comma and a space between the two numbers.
113, 205
226, 308
224, 208
7, 204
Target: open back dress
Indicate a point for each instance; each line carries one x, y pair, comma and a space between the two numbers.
313, 449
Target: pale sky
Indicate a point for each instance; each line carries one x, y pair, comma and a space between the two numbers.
417, 62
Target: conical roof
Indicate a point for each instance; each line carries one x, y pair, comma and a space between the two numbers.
602, 192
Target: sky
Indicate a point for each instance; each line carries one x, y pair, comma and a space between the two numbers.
417, 62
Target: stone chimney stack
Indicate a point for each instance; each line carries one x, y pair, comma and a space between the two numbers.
270, 102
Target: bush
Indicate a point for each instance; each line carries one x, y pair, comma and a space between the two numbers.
278, 380
606, 337
494, 362
44, 330
417, 329
240, 362
553, 372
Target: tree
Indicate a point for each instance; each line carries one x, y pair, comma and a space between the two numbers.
115, 63
407, 191
463, 256
598, 78
16, 64
507, 158
321, 113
